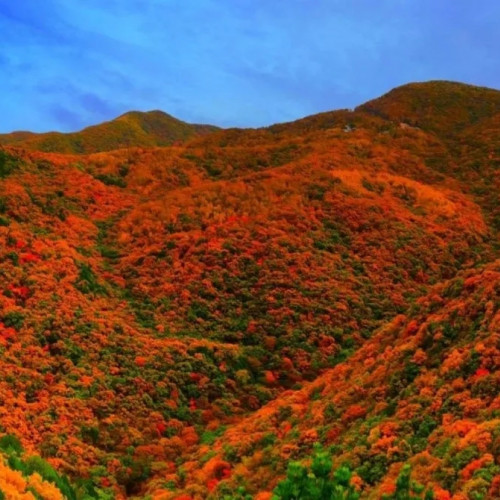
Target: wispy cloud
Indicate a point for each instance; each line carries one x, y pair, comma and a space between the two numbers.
229, 62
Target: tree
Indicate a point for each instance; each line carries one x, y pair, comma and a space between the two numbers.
316, 483
406, 489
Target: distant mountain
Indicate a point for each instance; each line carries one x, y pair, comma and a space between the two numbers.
142, 129
16, 137
466, 118
442, 107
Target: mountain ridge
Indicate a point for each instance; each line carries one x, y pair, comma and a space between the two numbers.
424, 105
134, 128
158, 128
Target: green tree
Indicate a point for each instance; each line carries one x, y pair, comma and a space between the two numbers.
406, 489
317, 482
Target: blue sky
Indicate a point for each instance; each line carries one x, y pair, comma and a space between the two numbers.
66, 64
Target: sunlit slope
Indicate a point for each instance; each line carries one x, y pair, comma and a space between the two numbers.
144, 129
442, 107
478, 166
467, 121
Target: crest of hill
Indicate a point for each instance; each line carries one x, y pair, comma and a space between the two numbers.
139, 129
16, 137
445, 108
442, 107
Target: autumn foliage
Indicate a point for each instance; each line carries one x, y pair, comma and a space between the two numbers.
186, 321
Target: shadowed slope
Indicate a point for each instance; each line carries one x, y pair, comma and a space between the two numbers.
423, 390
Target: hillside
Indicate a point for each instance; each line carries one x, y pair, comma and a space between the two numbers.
184, 321
423, 390
133, 129
445, 108
466, 118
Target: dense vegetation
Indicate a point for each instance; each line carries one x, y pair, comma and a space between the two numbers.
309, 310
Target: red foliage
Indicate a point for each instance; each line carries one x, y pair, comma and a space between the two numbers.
353, 413
140, 361
482, 372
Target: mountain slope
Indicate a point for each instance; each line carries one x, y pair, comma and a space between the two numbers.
149, 129
478, 164
157, 301
466, 119
423, 390
442, 107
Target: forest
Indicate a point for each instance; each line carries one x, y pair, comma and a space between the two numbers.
309, 310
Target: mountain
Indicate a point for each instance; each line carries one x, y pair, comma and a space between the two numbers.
445, 108
16, 137
188, 321
133, 129
466, 118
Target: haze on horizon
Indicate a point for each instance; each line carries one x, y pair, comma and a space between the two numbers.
230, 62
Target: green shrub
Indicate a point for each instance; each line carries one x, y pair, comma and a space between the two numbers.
87, 281
374, 469
109, 252
10, 443
3, 204
317, 482
8, 164
406, 489
454, 289
14, 319
111, 180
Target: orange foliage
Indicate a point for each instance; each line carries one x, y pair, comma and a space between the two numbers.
210, 310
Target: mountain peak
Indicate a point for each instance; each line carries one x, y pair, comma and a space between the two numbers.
157, 113
134, 128
440, 106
